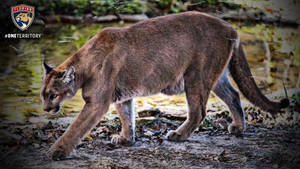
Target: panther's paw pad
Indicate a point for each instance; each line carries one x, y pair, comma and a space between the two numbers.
235, 130
120, 140
174, 136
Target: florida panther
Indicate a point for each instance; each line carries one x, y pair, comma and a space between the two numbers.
189, 52
24, 18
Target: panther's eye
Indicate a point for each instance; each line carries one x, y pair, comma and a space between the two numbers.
53, 96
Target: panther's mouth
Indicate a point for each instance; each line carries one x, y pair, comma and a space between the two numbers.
55, 111
18, 19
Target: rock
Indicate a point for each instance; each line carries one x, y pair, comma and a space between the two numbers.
65, 121
275, 166
134, 18
89, 19
40, 121
63, 19
36, 145
253, 17
145, 119
149, 133
107, 18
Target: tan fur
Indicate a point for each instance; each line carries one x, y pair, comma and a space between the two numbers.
189, 52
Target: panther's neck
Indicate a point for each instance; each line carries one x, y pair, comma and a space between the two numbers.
88, 59
80, 70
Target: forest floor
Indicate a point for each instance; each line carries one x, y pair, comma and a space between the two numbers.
210, 146
270, 141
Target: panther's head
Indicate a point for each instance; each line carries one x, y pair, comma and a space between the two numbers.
57, 88
23, 16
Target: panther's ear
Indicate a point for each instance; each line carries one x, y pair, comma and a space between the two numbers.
47, 68
69, 75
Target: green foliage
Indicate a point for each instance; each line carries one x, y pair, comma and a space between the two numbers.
77, 35
130, 7
104, 7
84, 36
209, 2
296, 96
101, 7
62, 110
285, 90
207, 123
170, 6
80, 7
212, 2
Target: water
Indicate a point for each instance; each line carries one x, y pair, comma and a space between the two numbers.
21, 68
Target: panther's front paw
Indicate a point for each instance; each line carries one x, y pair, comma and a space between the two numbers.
174, 136
57, 153
120, 140
236, 130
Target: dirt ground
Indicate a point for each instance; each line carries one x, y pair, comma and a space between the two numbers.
209, 147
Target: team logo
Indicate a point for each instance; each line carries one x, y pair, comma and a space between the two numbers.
22, 16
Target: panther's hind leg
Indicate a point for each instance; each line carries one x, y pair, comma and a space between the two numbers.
225, 91
197, 93
204, 70
127, 117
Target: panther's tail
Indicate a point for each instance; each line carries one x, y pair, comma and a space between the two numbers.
240, 71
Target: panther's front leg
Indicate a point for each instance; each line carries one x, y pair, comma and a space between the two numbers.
86, 120
97, 93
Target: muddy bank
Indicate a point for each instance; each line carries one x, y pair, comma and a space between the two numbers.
259, 148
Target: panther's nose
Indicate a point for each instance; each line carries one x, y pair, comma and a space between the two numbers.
47, 109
